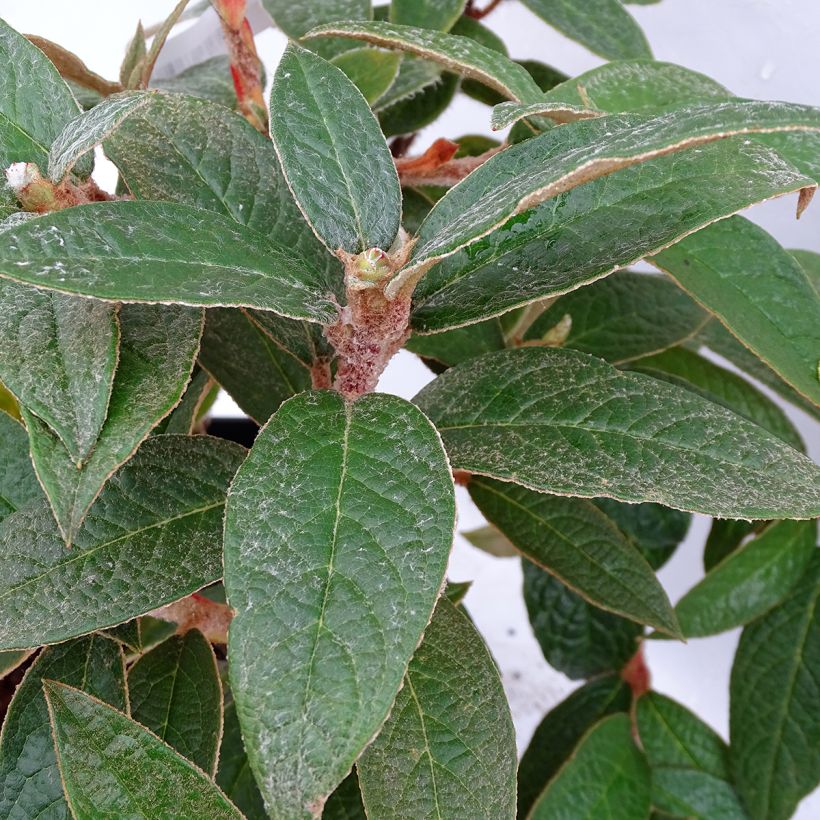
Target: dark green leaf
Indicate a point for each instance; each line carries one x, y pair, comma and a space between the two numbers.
153, 536
193, 152
257, 373
436, 14
303, 340
162, 252
749, 581
623, 317
112, 767
297, 18
773, 726
59, 357
682, 366
448, 748
810, 262
603, 26
529, 173
492, 541
564, 422
234, 776
413, 113
330, 602
208, 80
456, 53
9, 661
576, 638
29, 780
415, 76
561, 729
606, 776
688, 762
346, 802
371, 70
758, 290
460, 344
18, 482
184, 417
333, 154
158, 347
174, 691
128, 634
573, 540
595, 229
725, 536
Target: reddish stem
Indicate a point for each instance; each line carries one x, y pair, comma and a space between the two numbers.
636, 674
480, 14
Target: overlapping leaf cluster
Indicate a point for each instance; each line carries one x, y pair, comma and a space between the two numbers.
577, 400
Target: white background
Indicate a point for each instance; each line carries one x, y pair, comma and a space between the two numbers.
766, 49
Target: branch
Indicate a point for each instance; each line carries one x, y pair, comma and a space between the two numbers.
437, 165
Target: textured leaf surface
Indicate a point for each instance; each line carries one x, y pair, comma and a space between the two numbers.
690, 775
35, 102
561, 729
435, 14
18, 482
462, 55
415, 75
112, 767
330, 601
184, 417
59, 357
810, 262
572, 539
297, 18
257, 373
606, 775
773, 727
9, 661
89, 129
303, 340
576, 638
189, 151
594, 229
422, 109
161, 252
750, 581
175, 692
234, 775
448, 747
725, 536
623, 317
564, 422
208, 80
29, 780
460, 344
158, 346
603, 26
527, 174
152, 537
333, 154
759, 291
682, 366
371, 70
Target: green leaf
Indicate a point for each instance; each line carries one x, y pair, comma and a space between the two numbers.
436, 14
161, 252
127, 634
208, 80
297, 18
619, 788
564, 422
773, 727
688, 761
492, 541
184, 417
234, 775
749, 581
682, 366
563, 158
18, 482
725, 536
152, 537
591, 231
603, 26
29, 780
759, 291
174, 691
573, 540
810, 262
623, 317
416, 112
346, 802
303, 340
333, 154
112, 767
460, 344
508, 113
371, 70
314, 674
59, 357
462, 55
89, 129
158, 347
576, 638
561, 729
415, 76
257, 373
448, 747
35, 102
637, 85
175, 149
9, 661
